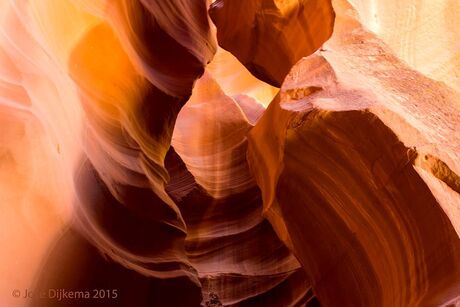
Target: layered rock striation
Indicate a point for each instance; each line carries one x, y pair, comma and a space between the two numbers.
359, 173
231, 153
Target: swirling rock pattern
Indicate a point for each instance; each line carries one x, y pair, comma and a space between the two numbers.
237, 255
230, 153
341, 174
130, 115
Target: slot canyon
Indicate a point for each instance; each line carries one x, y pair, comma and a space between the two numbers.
182, 153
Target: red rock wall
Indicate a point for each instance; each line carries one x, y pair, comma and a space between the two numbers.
230, 153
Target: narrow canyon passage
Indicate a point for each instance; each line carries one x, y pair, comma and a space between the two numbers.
229, 153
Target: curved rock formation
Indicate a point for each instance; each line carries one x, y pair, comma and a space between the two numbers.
239, 258
126, 147
269, 37
339, 173
305, 161
236, 80
131, 92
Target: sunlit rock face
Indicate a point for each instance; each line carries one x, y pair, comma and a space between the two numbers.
230, 153
346, 171
422, 33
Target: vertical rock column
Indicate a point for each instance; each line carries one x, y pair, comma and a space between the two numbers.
134, 72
